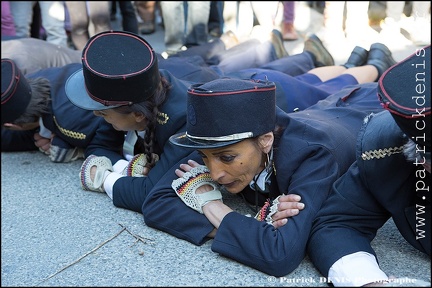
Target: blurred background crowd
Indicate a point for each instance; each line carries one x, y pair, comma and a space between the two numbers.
189, 23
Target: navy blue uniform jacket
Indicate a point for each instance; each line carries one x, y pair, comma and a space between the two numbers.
72, 126
379, 185
317, 147
171, 120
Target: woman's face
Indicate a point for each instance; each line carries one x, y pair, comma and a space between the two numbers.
234, 166
123, 122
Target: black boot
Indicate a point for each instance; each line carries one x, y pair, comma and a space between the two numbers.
358, 57
381, 57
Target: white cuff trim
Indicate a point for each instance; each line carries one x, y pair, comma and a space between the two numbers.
355, 270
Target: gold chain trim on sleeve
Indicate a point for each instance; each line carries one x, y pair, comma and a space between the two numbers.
162, 118
72, 134
381, 153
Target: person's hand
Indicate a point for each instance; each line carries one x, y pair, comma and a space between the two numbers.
195, 187
138, 166
289, 205
92, 173
44, 144
280, 209
186, 168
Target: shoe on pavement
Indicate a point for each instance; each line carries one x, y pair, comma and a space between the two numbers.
147, 28
288, 31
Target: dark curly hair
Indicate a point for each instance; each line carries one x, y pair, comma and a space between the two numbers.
39, 102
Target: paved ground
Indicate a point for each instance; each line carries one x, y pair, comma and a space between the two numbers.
55, 234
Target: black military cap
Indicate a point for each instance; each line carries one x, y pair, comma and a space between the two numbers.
15, 91
226, 111
405, 90
119, 68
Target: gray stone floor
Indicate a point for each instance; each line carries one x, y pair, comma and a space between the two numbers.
54, 234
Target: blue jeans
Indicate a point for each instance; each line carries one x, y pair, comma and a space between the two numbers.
182, 27
53, 19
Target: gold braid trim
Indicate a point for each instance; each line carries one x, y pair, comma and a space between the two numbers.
162, 118
381, 153
71, 134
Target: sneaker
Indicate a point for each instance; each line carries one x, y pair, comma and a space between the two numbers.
322, 56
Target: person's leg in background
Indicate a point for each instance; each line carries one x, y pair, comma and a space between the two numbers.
420, 33
391, 26
99, 13
288, 31
268, 14
333, 30
173, 15
36, 29
239, 18
129, 19
68, 28
22, 13
79, 20
146, 11
216, 21
7, 23
113, 11
197, 18
53, 20
357, 28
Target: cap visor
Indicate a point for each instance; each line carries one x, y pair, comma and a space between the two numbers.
182, 140
77, 93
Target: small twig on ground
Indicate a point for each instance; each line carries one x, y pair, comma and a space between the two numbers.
85, 255
138, 237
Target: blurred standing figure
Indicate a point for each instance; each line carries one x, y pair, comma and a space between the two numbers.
81, 13
146, 11
216, 20
288, 31
128, 15
419, 27
7, 23
186, 24
244, 17
354, 27
53, 18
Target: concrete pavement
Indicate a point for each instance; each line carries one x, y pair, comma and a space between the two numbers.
54, 234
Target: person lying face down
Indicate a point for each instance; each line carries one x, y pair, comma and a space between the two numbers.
282, 163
